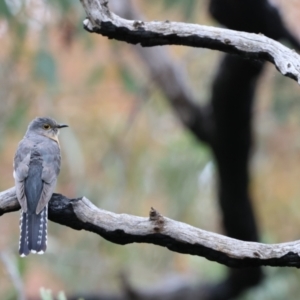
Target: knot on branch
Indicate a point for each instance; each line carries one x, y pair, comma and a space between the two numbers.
138, 24
158, 220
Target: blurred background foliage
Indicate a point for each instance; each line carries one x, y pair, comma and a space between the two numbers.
126, 151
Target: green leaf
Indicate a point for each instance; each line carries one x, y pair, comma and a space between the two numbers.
46, 294
18, 115
95, 76
21, 30
45, 67
179, 170
61, 296
4, 10
65, 5
187, 6
172, 3
128, 80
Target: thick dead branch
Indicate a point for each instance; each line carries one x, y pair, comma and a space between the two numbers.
256, 46
81, 214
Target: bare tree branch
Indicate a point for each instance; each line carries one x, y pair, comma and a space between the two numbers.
81, 214
256, 46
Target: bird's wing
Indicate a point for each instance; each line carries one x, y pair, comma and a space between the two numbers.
51, 167
21, 167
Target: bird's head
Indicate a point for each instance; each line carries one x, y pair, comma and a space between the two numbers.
45, 126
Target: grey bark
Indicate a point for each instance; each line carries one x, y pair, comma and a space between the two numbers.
82, 214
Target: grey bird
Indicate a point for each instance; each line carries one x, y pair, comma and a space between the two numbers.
36, 167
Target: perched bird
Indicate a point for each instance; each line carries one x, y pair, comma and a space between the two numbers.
36, 167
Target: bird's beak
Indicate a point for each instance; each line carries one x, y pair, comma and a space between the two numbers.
62, 125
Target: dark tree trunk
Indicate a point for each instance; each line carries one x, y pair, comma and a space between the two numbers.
232, 100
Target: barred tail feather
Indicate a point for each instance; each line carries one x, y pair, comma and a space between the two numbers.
34, 237
44, 234
23, 244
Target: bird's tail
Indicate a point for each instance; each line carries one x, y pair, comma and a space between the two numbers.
33, 232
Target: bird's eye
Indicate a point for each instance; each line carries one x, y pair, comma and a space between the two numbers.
46, 126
